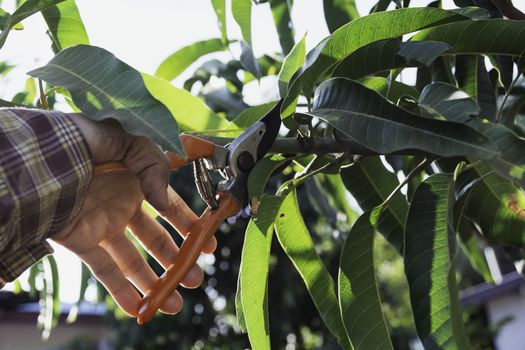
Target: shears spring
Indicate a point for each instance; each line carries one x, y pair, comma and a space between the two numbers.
207, 190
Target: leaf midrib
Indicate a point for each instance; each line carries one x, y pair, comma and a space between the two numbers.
103, 92
424, 131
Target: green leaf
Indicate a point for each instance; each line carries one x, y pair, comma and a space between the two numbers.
422, 52
494, 204
388, 54
248, 60
297, 243
247, 118
239, 311
365, 116
429, 266
292, 62
358, 33
102, 86
371, 184
337, 13
220, 10
473, 78
259, 176
392, 90
25, 10
471, 247
30, 7
359, 298
84, 282
467, 37
442, 99
254, 273
191, 113
281, 11
177, 62
242, 14
335, 189
65, 25
50, 295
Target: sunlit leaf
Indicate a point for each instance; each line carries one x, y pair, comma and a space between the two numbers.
392, 90
441, 99
242, 14
220, 10
358, 33
66, 28
429, 266
371, 184
473, 78
495, 205
191, 113
254, 273
297, 243
102, 86
247, 118
281, 11
365, 116
259, 177
359, 298
337, 13
292, 62
248, 60
177, 62
25, 10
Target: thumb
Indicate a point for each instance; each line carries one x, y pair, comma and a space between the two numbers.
151, 166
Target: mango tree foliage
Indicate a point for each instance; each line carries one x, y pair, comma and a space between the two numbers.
363, 150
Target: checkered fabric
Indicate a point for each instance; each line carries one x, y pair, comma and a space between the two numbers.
45, 169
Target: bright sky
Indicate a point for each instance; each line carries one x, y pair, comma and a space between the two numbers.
143, 35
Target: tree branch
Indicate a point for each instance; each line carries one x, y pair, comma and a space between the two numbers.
290, 145
508, 10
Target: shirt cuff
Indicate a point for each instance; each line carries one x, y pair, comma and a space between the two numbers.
45, 171
12, 264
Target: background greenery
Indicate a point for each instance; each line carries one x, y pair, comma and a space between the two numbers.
453, 137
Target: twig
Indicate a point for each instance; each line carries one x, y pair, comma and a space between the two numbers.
43, 100
414, 171
291, 145
508, 10
505, 97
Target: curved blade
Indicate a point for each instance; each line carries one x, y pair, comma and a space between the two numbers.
272, 120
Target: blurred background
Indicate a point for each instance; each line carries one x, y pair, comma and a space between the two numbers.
143, 34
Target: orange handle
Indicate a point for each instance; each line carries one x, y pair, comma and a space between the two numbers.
198, 235
194, 146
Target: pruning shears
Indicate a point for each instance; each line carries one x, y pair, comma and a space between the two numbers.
234, 163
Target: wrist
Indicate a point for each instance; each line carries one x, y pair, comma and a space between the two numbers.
106, 140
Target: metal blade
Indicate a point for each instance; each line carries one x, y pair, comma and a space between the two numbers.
272, 120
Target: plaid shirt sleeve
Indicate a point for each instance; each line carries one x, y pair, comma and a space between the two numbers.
45, 169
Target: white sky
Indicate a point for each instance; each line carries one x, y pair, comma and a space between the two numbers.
143, 34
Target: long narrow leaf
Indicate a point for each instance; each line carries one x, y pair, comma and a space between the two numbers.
371, 184
429, 266
253, 280
359, 298
281, 11
102, 86
297, 243
358, 33
365, 116
65, 25
177, 62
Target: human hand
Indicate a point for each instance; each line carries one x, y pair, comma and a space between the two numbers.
114, 202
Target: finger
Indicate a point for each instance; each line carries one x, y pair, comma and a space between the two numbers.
137, 270
158, 242
107, 272
151, 166
181, 217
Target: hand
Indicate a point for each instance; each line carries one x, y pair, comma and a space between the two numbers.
114, 202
